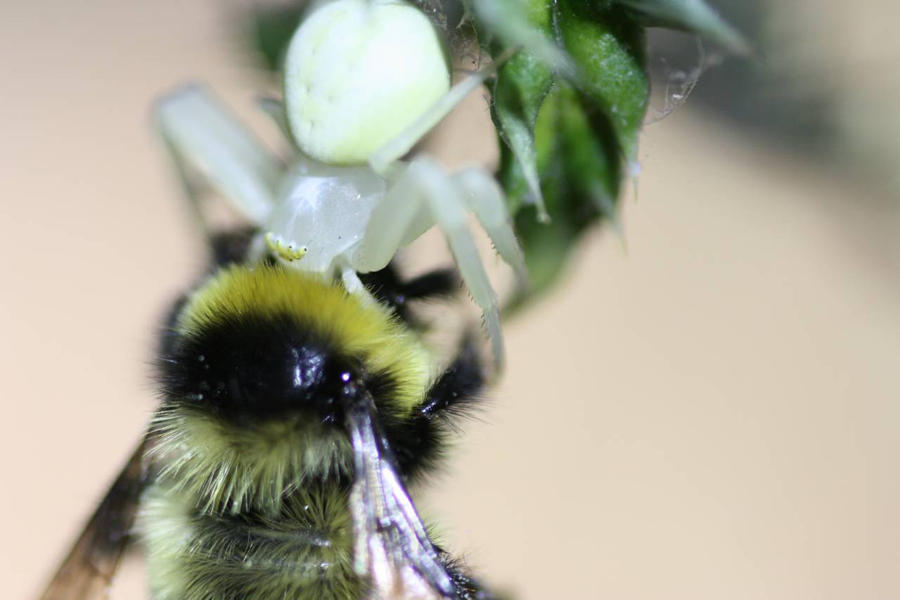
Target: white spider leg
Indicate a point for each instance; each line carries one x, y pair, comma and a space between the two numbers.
354, 285
396, 220
422, 196
274, 109
448, 210
486, 201
204, 136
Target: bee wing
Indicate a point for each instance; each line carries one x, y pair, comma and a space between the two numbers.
87, 571
391, 546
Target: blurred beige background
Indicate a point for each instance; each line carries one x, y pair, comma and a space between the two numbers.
712, 413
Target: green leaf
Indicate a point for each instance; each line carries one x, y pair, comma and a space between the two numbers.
579, 163
519, 89
585, 132
608, 48
271, 29
690, 15
520, 23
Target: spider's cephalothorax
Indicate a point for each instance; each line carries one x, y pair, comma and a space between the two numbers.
293, 413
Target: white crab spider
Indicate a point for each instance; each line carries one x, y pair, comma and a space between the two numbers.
344, 204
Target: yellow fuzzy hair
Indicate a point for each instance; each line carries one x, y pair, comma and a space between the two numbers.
226, 469
357, 328
193, 556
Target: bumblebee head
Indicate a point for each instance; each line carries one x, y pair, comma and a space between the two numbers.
257, 367
254, 374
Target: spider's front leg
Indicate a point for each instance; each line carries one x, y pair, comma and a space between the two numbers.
422, 196
485, 199
204, 138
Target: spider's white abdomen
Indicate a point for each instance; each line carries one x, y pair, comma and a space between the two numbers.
357, 73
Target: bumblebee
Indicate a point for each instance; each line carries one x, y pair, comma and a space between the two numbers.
293, 417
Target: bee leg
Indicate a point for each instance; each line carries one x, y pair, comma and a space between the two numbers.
387, 286
231, 246
437, 283
419, 441
467, 587
458, 386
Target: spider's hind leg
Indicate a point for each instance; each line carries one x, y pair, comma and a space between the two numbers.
422, 196
484, 198
446, 204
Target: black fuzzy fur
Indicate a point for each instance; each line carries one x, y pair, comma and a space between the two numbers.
418, 441
387, 286
253, 367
